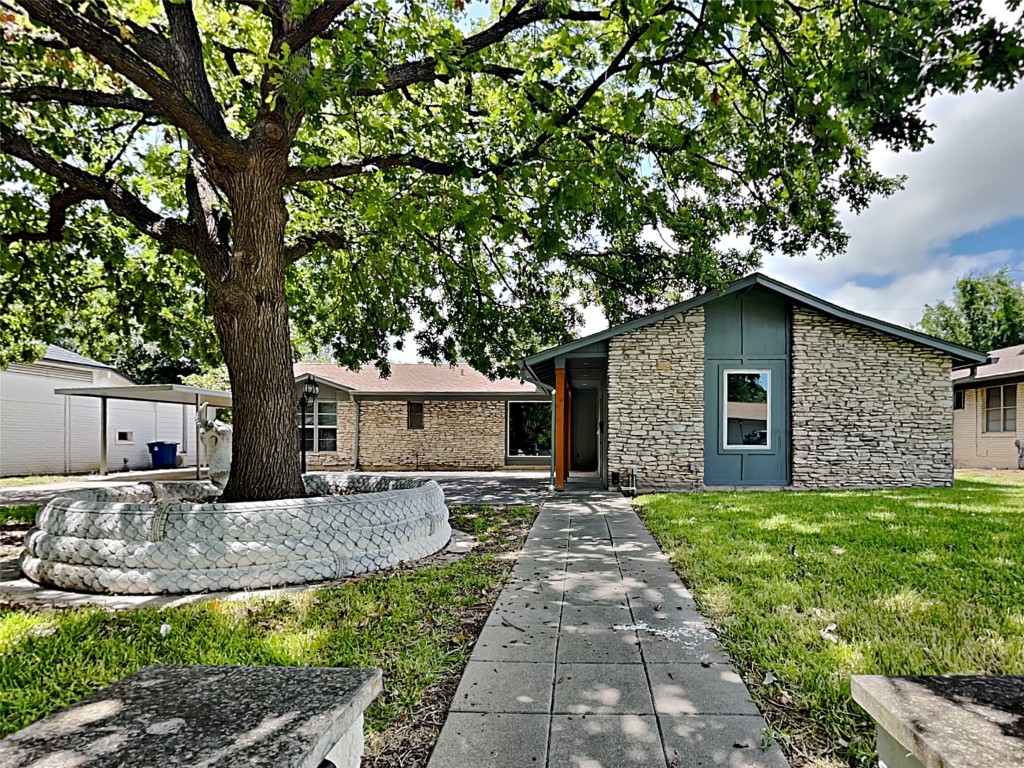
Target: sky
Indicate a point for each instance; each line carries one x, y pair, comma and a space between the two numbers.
961, 211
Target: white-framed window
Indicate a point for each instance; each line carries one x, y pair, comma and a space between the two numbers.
125, 437
528, 429
320, 433
959, 399
1001, 408
747, 399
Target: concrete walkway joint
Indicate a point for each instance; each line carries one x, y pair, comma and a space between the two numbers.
595, 656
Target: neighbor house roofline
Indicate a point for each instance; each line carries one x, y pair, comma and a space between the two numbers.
957, 352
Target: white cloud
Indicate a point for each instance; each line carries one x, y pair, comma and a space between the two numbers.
970, 178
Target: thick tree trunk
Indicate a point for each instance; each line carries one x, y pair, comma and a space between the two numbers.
250, 312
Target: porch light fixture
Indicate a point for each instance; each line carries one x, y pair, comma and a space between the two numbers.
309, 392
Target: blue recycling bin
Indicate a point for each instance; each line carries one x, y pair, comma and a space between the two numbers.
164, 454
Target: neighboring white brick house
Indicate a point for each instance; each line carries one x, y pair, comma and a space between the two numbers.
45, 433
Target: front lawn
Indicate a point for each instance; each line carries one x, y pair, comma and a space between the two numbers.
417, 624
809, 588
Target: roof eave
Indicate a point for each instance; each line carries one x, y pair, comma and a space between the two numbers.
957, 352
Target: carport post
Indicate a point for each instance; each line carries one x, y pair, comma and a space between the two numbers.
103, 435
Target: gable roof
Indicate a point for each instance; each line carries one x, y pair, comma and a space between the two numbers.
55, 354
1008, 361
415, 379
960, 355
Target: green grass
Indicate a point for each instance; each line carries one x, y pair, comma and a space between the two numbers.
915, 581
15, 482
418, 625
22, 513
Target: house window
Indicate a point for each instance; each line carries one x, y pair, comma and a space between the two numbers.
414, 415
747, 422
320, 432
1001, 409
959, 399
529, 429
125, 437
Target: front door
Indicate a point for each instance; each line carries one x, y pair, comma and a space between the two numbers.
584, 430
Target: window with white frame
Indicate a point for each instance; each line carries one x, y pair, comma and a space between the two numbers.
125, 437
1001, 408
320, 433
747, 422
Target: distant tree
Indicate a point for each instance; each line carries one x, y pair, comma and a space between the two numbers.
987, 312
212, 378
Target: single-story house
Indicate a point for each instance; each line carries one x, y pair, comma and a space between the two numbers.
423, 417
759, 384
987, 420
42, 432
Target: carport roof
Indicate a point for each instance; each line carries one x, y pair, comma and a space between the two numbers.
157, 393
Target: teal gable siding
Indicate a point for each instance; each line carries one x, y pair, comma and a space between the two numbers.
747, 331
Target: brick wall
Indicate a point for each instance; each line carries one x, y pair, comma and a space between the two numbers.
977, 449
868, 409
456, 434
656, 402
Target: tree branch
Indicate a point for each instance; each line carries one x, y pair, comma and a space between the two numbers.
368, 165
315, 24
332, 238
74, 97
186, 66
93, 38
424, 70
60, 202
117, 198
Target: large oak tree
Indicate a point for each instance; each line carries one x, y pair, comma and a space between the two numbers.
349, 171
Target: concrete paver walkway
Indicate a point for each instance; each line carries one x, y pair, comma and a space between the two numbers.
564, 675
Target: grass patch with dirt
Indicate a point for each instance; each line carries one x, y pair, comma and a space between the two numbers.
17, 482
416, 623
810, 588
21, 514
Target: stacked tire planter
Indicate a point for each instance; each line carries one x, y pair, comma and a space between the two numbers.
144, 540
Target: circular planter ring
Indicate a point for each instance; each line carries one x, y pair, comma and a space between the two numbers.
124, 541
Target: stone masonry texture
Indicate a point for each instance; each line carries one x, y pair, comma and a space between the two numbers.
456, 434
868, 409
656, 403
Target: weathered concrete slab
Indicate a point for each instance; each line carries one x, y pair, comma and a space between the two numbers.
605, 741
169, 715
594, 643
955, 721
693, 689
602, 689
719, 741
490, 740
501, 643
502, 686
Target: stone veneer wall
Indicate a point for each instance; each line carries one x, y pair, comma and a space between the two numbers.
656, 402
456, 434
868, 409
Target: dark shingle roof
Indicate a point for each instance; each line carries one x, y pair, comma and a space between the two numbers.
55, 354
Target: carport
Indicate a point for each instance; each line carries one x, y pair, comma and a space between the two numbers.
175, 394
